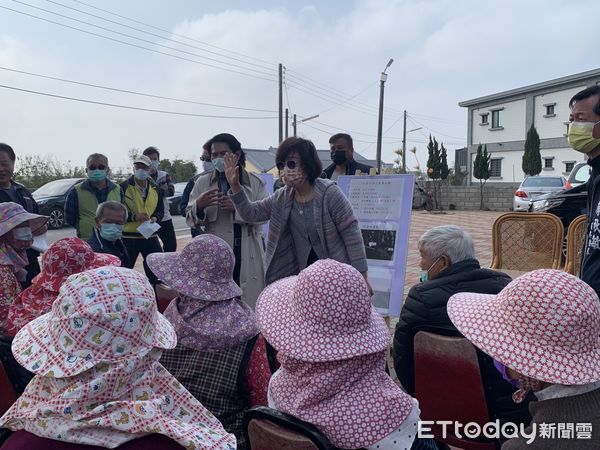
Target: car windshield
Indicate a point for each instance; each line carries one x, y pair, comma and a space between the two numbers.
543, 182
58, 187
583, 174
180, 187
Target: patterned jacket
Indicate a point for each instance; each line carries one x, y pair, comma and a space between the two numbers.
335, 222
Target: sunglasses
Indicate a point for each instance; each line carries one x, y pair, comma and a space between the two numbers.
291, 164
98, 167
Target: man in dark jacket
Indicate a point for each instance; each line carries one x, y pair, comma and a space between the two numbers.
342, 155
11, 191
448, 266
584, 136
111, 217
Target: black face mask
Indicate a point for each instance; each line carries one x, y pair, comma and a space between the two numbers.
339, 157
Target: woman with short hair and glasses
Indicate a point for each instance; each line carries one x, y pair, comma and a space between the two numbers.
310, 218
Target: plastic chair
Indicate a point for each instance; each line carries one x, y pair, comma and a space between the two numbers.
575, 240
268, 429
449, 386
527, 241
164, 296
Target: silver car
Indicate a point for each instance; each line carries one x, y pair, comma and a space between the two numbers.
535, 186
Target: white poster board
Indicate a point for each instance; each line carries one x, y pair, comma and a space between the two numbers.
383, 206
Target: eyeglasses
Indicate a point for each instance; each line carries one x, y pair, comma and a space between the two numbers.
98, 167
291, 164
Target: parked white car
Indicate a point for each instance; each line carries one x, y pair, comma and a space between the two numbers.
532, 187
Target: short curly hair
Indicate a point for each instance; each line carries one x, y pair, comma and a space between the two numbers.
309, 158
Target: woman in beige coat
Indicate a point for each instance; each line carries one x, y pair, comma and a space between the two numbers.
210, 207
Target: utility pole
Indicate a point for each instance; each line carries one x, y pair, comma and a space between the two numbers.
404, 144
280, 103
287, 117
380, 121
294, 123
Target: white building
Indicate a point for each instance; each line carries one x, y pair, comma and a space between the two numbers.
501, 121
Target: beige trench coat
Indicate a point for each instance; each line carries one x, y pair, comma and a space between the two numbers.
220, 223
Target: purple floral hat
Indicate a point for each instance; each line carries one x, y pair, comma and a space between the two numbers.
12, 215
202, 270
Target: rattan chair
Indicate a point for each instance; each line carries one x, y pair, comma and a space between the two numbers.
527, 241
575, 240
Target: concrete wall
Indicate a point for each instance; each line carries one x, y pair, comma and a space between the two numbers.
496, 196
512, 123
553, 126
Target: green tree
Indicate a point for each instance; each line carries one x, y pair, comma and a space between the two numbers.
444, 171
36, 170
398, 161
179, 169
434, 162
532, 159
481, 170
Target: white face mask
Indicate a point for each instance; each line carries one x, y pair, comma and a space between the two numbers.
208, 166
22, 234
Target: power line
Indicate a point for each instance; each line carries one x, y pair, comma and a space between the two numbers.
114, 105
431, 129
351, 98
261, 66
134, 45
174, 34
81, 83
119, 33
436, 119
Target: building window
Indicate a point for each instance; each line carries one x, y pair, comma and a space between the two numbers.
569, 166
567, 125
497, 119
496, 168
550, 109
484, 119
548, 163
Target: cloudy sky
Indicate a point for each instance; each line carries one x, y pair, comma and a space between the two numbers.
202, 53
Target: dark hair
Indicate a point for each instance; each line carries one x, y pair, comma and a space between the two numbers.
587, 93
233, 144
309, 158
95, 156
346, 136
151, 151
206, 151
9, 151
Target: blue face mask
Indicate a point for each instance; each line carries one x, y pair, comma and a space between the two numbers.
154, 164
424, 274
219, 164
208, 166
141, 174
111, 231
97, 175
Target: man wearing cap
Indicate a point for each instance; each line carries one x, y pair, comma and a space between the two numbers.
11, 191
342, 155
163, 180
144, 203
584, 136
83, 199
211, 207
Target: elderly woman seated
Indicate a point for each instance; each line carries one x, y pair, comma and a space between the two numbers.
332, 348
448, 266
217, 335
542, 331
98, 381
16, 236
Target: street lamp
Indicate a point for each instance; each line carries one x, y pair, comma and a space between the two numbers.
380, 121
306, 119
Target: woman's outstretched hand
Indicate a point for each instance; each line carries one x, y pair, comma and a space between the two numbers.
232, 173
